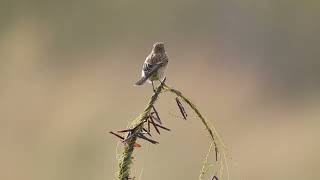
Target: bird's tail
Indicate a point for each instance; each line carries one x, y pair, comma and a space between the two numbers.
141, 81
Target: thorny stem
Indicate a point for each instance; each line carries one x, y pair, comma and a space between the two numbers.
125, 159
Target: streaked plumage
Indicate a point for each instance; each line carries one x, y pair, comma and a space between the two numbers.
155, 65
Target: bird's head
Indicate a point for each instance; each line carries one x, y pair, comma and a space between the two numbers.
158, 47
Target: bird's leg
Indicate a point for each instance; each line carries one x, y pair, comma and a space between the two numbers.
153, 87
162, 82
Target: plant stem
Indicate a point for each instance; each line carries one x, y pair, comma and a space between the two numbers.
125, 159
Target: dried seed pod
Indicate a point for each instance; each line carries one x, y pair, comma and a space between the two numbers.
162, 127
146, 131
147, 139
117, 135
154, 124
124, 131
216, 151
155, 117
157, 114
149, 125
181, 108
124, 140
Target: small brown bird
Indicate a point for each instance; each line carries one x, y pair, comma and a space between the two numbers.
155, 65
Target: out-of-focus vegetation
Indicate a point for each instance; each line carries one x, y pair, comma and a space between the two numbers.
64, 65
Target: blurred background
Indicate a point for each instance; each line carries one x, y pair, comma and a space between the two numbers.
67, 70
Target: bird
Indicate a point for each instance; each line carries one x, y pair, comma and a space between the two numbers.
154, 66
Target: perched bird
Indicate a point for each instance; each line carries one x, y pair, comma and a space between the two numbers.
155, 65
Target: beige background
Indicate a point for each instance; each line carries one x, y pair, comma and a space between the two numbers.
67, 70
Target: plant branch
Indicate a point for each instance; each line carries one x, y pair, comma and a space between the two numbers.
125, 160
136, 128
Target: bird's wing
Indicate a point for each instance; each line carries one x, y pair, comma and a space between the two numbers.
149, 63
150, 70
147, 67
